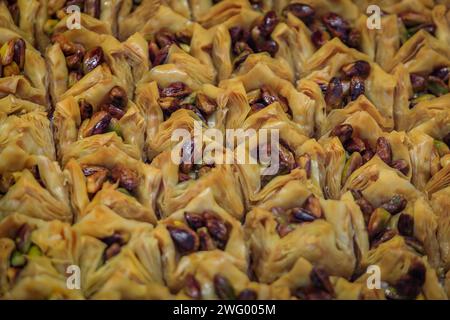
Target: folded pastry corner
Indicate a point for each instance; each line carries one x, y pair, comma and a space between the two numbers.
200, 231
306, 227
38, 190
232, 150
103, 110
111, 178
34, 258
120, 257
23, 71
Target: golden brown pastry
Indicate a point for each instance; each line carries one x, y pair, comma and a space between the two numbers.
225, 149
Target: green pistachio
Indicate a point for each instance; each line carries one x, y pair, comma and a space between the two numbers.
190, 99
378, 222
34, 251
185, 47
422, 97
115, 127
393, 222
441, 148
124, 191
436, 86
7, 52
18, 259
353, 163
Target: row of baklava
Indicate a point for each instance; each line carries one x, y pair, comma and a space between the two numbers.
87, 176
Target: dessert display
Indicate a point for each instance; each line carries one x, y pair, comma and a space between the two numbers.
344, 166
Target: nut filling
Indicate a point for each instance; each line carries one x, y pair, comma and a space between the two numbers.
79, 60
201, 232
328, 26
12, 54
106, 119
89, 7
224, 149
